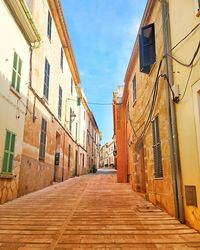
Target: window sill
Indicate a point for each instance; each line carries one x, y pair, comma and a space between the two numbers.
158, 178
7, 176
15, 92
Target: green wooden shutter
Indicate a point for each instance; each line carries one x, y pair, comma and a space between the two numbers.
9, 152
19, 74
43, 139
157, 149
16, 73
46, 79
60, 102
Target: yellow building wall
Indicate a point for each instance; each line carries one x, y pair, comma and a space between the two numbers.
182, 21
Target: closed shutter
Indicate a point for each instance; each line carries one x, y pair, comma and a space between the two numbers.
60, 102
43, 139
157, 148
9, 152
61, 59
49, 25
46, 79
134, 88
147, 48
16, 73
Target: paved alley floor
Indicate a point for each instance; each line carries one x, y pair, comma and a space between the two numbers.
89, 212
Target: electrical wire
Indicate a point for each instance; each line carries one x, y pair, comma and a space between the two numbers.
170, 87
191, 62
155, 93
93, 103
187, 83
165, 76
131, 122
152, 91
186, 36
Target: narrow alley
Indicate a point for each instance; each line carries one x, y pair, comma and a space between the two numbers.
87, 212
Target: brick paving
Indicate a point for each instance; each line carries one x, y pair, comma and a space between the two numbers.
90, 212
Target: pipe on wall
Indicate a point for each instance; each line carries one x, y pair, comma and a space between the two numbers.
174, 149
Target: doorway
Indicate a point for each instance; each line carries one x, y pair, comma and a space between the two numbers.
140, 181
76, 163
57, 157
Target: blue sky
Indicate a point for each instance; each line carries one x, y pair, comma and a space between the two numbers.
102, 34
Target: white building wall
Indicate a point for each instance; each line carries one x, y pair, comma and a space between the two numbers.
12, 105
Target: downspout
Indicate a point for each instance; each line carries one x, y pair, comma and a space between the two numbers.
174, 149
30, 77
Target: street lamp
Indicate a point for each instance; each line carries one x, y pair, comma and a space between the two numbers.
72, 116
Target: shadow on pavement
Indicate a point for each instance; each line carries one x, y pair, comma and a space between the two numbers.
106, 171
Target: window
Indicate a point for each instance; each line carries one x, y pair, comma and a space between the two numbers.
147, 48
43, 139
49, 26
61, 59
84, 138
157, 148
70, 120
78, 100
71, 86
9, 152
46, 79
83, 161
134, 89
60, 102
16, 73
69, 155
76, 136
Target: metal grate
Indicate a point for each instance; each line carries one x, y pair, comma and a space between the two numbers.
191, 195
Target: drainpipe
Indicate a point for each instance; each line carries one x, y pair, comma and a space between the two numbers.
174, 149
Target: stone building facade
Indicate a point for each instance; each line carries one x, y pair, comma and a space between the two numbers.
141, 116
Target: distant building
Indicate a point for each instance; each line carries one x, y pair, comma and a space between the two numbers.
107, 155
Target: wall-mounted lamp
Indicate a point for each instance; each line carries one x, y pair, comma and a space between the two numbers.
73, 116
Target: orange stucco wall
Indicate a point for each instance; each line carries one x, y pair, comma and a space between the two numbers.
119, 125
